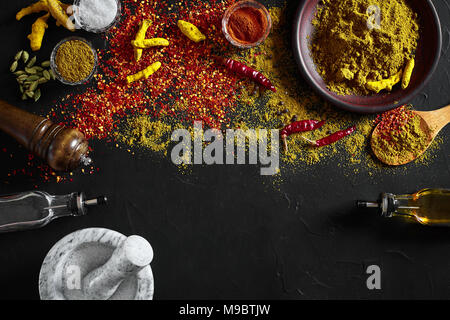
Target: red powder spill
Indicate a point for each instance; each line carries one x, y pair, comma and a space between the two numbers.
36, 169
189, 86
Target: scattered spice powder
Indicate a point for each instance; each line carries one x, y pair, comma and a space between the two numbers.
190, 86
141, 131
293, 98
74, 60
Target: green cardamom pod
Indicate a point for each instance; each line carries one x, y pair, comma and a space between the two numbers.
22, 77
37, 95
13, 66
42, 81
52, 74
33, 86
45, 64
18, 55
25, 56
30, 94
38, 68
30, 70
24, 97
19, 73
31, 62
47, 75
33, 78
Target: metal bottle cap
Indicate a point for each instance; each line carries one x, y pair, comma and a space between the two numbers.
79, 204
386, 204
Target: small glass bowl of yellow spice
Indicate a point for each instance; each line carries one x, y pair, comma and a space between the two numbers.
74, 61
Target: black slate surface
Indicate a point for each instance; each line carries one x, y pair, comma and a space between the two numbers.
222, 231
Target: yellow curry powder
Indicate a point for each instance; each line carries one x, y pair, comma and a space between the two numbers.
351, 47
142, 131
74, 60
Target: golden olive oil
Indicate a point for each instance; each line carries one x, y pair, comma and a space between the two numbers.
428, 206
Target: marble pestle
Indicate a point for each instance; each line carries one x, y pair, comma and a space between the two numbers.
131, 256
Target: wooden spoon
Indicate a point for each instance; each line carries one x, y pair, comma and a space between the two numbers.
432, 122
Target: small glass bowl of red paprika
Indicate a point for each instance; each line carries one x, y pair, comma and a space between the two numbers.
246, 24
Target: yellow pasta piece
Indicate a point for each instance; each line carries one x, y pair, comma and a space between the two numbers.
57, 11
408, 73
38, 31
147, 72
39, 6
140, 35
191, 31
148, 43
387, 84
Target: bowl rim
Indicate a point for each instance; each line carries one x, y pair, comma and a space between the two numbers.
325, 93
54, 67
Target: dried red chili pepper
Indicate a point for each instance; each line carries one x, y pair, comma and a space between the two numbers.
332, 138
299, 126
246, 71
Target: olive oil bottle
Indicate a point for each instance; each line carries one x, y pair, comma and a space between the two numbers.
428, 206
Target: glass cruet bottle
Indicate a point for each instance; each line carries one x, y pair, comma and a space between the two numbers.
428, 206
35, 209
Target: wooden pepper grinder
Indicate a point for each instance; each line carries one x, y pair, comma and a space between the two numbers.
63, 148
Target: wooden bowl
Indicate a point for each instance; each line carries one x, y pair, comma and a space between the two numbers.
427, 58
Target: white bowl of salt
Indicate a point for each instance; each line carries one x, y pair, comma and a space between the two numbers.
96, 15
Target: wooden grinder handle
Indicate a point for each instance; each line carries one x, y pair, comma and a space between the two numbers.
63, 148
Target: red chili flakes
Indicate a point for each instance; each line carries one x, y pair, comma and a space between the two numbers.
393, 121
189, 86
37, 170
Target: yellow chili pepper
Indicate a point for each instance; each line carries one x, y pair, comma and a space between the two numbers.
387, 84
38, 31
140, 35
191, 31
407, 73
148, 43
147, 72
